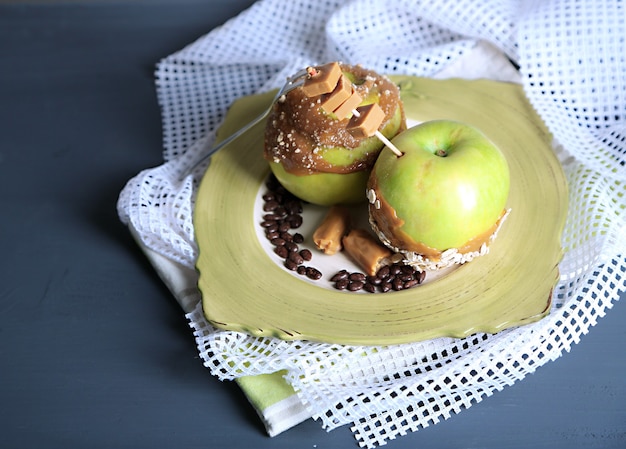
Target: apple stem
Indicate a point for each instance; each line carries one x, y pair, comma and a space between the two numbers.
442, 153
390, 145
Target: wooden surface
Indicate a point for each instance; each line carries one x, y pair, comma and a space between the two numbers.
95, 352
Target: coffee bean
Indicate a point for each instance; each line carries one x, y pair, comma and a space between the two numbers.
291, 247
295, 221
342, 284
272, 227
293, 206
383, 272
296, 258
357, 277
374, 280
270, 217
306, 254
282, 252
270, 205
354, 286
280, 213
313, 273
291, 265
341, 275
278, 242
271, 235
369, 287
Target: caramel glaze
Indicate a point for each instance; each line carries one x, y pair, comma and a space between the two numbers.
297, 127
385, 221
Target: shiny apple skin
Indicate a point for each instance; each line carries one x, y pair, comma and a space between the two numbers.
324, 189
443, 201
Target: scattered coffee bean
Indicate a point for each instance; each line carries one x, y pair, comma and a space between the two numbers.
272, 227
271, 235
313, 273
374, 280
293, 206
290, 264
282, 252
296, 258
360, 277
295, 221
270, 217
394, 277
278, 241
369, 287
306, 254
383, 272
270, 205
340, 276
284, 213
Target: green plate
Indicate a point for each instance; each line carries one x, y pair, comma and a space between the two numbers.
245, 288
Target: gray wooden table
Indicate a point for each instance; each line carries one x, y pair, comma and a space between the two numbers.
95, 352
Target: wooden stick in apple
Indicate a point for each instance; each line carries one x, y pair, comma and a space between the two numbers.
343, 100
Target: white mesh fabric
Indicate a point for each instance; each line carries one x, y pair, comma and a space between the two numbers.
571, 55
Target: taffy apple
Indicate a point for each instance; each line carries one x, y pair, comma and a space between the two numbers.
443, 200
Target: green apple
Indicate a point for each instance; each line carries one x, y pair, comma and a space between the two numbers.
447, 190
349, 170
324, 189
342, 158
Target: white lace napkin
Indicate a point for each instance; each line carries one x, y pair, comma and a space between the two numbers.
571, 56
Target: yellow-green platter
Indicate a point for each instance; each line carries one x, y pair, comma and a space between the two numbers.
245, 289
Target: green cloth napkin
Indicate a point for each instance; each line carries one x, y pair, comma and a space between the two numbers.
273, 399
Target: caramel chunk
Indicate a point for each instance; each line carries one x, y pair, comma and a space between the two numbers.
329, 234
338, 96
366, 251
297, 127
322, 80
347, 106
369, 119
